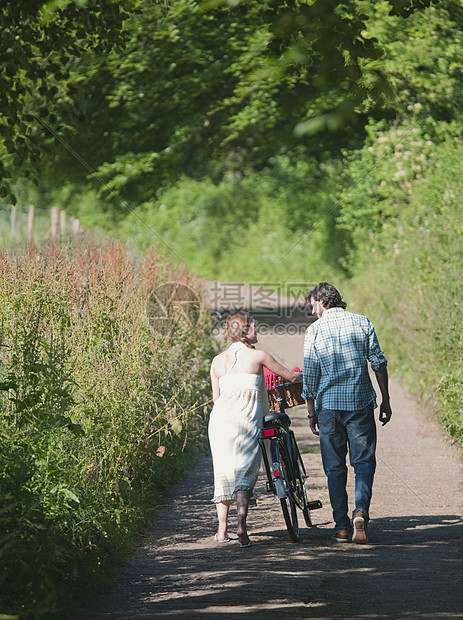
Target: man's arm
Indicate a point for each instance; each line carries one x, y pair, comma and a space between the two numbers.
311, 371
311, 379
385, 411
379, 366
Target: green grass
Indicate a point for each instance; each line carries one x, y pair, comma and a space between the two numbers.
309, 449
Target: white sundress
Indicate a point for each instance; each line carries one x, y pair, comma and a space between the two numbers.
234, 429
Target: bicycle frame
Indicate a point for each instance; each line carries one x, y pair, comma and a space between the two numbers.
275, 433
285, 470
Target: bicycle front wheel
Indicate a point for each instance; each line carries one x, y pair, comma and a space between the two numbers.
300, 492
301, 495
290, 516
307, 517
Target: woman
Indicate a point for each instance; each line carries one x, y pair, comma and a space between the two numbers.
240, 404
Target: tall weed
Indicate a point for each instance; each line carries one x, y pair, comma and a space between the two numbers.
100, 411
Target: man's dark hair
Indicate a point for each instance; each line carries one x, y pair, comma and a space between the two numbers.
327, 294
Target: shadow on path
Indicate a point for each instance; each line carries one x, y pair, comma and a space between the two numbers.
413, 569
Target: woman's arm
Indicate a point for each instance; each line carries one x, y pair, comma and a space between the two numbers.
214, 382
278, 369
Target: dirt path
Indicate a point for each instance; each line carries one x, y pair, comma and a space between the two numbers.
412, 567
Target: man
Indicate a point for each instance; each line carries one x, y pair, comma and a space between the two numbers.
337, 348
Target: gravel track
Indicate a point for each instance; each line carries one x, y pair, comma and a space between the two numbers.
411, 568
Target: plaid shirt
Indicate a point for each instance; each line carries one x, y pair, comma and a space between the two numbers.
336, 350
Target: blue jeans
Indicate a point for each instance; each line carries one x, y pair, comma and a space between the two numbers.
356, 430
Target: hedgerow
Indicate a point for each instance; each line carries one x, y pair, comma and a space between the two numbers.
102, 400
406, 269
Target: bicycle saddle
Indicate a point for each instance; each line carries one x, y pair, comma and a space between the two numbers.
278, 417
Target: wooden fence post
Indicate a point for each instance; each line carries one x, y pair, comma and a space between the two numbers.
13, 219
62, 222
30, 224
75, 224
54, 222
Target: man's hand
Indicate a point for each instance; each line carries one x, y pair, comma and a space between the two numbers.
313, 423
313, 418
385, 412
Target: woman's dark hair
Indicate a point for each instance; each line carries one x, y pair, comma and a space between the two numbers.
327, 294
237, 325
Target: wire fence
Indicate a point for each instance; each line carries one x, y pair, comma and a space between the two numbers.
20, 225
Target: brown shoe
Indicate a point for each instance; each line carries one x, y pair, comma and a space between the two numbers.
341, 536
360, 535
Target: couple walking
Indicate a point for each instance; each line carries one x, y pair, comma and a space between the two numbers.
340, 405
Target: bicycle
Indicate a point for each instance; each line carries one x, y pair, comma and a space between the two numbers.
286, 477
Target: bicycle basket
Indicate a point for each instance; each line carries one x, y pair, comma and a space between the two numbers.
290, 392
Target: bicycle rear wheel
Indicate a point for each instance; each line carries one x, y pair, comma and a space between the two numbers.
270, 483
288, 475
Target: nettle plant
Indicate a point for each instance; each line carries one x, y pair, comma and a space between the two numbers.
100, 405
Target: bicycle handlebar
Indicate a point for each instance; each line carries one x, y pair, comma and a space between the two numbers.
287, 384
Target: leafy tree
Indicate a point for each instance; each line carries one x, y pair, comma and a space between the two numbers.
41, 43
225, 86
217, 88
422, 62
199, 87
402, 139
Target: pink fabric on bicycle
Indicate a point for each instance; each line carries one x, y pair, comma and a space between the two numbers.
271, 377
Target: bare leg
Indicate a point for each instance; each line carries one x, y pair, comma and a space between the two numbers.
242, 505
222, 515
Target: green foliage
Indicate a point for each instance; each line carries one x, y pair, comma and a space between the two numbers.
380, 180
97, 404
40, 44
202, 88
422, 63
407, 279
243, 228
145, 92
230, 87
